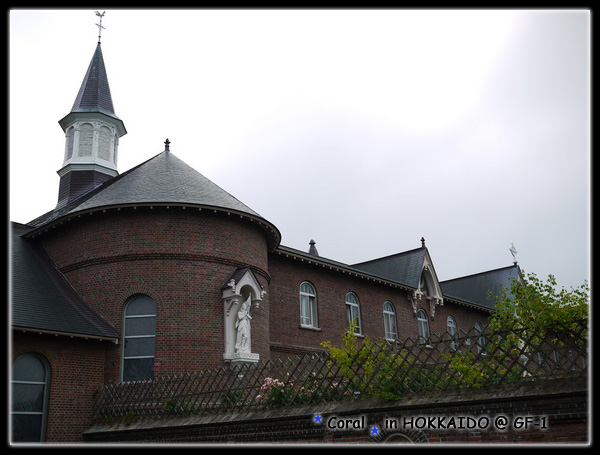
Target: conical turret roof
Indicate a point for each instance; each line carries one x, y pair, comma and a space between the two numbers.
163, 180
94, 94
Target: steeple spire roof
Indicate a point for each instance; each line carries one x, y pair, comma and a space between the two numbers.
94, 94
92, 132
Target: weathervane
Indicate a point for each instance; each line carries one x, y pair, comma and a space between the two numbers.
100, 27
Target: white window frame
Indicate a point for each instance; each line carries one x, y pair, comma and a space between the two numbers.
389, 321
308, 305
452, 329
423, 326
480, 338
353, 312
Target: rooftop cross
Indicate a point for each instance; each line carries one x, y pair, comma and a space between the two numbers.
100, 27
513, 251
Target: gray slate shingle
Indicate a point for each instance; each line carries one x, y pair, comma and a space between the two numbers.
404, 268
41, 297
476, 288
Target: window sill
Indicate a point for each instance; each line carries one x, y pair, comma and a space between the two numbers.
310, 327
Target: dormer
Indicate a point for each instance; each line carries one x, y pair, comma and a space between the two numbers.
429, 290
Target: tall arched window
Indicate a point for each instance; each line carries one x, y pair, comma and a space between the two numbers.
86, 139
70, 142
452, 329
389, 321
30, 380
353, 312
139, 333
423, 325
104, 138
308, 305
480, 337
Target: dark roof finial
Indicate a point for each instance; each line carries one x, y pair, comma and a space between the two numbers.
100, 27
167, 142
422, 241
313, 249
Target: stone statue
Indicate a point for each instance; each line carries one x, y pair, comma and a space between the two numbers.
242, 341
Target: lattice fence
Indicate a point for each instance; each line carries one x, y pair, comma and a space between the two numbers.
383, 369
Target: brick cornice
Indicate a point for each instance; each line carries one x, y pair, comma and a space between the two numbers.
163, 256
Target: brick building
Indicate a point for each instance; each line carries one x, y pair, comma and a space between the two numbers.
158, 271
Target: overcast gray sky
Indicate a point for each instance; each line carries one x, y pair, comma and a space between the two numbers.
364, 130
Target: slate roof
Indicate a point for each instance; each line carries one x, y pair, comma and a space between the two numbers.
94, 93
404, 268
351, 270
161, 180
475, 288
94, 99
42, 300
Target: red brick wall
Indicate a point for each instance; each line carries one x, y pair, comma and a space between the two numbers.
76, 372
180, 258
563, 404
288, 337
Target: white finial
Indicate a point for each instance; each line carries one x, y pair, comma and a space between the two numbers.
100, 27
513, 251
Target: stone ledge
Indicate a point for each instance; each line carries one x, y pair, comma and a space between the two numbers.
534, 389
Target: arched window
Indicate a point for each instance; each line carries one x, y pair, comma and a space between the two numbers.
104, 138
70, 142
30, 380
308, 305
480, 337
353, 312
139, 333
452, 329
86, 139
423, 325
389, 321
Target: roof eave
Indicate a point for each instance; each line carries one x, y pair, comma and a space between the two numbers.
93, 115
112, 339
336, 266
273, 234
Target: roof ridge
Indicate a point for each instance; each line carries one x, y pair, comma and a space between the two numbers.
391, 256
484, 272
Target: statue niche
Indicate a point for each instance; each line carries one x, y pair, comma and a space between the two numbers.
242, 294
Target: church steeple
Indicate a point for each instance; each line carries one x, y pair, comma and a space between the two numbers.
92, 132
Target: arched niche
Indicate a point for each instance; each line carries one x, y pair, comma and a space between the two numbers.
242, 295
428, 290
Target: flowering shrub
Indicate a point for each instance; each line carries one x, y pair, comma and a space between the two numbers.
273, 391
